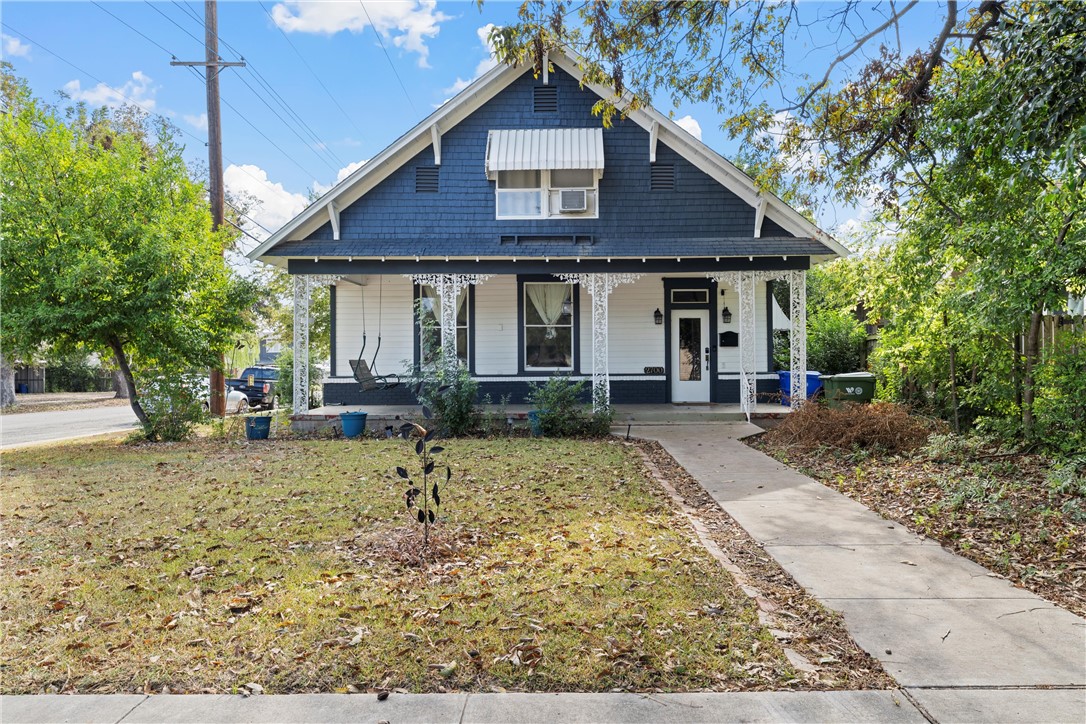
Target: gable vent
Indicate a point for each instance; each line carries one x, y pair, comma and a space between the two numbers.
426, 179
662, 177
545, 99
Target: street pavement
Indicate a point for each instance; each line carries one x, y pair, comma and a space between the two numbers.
963, 644
32, 428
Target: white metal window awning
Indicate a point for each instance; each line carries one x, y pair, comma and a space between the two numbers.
544, 149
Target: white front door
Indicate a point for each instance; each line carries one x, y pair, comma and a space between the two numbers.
690, 373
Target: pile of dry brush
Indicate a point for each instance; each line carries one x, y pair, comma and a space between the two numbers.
882, 426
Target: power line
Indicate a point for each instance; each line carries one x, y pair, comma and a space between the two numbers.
134, 30
388, 57
263, 135
312, 72
317, 143
179, 26
93, 77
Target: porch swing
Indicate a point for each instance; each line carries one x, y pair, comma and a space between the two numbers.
365, 373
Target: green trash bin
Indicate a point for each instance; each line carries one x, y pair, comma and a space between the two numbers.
848, 387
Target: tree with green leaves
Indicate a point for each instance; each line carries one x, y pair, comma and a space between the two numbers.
106, 243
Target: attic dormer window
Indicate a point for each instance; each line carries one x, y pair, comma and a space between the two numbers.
546, 173
545, 99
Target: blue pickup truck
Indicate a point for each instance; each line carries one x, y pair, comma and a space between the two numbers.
258, 385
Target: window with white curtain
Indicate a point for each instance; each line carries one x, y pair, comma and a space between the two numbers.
548, 325
537, 194
430, 324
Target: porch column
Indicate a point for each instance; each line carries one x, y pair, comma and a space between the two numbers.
448, 288
301, 344
748, 369
599, 287
797, 337
743, 283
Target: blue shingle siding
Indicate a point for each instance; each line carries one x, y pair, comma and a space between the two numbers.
462, 214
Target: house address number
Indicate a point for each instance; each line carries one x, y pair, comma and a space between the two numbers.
654, 370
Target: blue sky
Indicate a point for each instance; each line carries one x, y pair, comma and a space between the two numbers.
354, 77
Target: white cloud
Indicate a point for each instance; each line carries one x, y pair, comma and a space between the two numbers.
139, 90
490, 61
272, 205
15, 48
199, 122
407, 23
342, 174
691, 126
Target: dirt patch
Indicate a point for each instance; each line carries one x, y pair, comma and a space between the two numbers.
1022, 516
827, 654
403, 546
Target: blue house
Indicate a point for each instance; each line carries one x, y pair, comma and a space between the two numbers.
539, 242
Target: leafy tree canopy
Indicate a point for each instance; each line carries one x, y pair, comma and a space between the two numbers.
107, 242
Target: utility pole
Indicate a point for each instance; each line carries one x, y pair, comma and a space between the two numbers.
212, 65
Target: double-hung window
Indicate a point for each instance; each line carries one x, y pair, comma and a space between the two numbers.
520, 194
430, 324
548, 326
546, 173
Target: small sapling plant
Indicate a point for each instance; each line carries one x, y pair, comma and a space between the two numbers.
423, 500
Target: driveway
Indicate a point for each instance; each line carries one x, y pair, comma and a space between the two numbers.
38, 427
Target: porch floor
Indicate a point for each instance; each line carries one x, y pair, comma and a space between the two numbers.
624, 414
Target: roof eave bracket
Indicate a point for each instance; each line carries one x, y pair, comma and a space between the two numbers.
333, 218
654, 136
759, 215
435, 134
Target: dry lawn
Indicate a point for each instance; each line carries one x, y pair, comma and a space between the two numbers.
205, 566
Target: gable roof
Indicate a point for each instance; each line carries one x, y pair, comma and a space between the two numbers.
482, 90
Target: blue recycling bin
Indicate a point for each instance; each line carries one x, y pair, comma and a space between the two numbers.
814, 384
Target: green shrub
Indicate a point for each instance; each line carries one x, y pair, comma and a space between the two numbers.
173, 404
563, 411
73, 373
1059, 405
450, 395
284, 385
835, 342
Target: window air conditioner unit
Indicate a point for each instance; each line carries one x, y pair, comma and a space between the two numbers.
571, 201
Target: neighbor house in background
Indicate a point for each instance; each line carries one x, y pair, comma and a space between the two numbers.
541, 243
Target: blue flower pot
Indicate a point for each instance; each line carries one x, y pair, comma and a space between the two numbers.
257, 428
354, 423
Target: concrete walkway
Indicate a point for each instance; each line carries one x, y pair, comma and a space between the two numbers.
965, 644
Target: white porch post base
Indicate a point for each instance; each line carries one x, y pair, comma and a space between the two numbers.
301, 344
797, 285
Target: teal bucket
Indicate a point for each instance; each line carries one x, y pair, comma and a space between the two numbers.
534, 422
354, 423
257, 428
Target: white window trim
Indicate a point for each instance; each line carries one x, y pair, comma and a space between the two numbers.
545, 190
572, 330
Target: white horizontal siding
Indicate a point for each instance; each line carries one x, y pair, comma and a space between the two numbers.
634, 342
496, 326
728, 357
393, 323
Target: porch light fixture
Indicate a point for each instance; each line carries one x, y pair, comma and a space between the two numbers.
726, 315
658, 316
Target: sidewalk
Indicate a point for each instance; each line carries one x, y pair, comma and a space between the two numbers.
964, 643
842, 706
